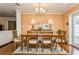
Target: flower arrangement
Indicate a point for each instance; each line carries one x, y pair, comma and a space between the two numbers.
59, 31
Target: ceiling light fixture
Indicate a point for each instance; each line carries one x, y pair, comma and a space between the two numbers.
39, 9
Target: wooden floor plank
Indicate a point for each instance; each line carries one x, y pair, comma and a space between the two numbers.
10, 48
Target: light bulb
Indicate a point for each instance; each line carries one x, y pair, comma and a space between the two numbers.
43, 10
36, 10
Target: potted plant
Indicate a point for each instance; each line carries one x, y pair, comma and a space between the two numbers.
59, 31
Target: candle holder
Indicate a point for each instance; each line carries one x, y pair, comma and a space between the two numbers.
33, 27
33, 24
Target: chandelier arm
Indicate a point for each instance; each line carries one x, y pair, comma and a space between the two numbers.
38, 8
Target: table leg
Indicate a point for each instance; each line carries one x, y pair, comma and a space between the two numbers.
21, 43
61, 44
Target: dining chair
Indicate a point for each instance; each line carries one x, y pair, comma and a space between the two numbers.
61, 39
60, 36
23, 39
32, 40
17, 41
47, 40
64, 33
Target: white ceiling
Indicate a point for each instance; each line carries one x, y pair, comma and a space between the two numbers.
9, 9
49, 7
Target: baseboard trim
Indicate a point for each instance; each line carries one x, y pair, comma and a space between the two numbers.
74, 46
5, 44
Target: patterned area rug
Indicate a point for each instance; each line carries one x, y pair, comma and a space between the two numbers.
33, 51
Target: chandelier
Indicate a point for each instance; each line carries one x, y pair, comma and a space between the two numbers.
39, 9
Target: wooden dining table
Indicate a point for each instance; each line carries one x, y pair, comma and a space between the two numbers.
24, 37
54, 35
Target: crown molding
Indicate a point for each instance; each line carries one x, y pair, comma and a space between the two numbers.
45, 13
69, 8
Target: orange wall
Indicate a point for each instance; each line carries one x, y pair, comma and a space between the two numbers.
56, 18
66, 15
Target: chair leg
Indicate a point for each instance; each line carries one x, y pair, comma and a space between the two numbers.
21, 47
15, 45
61, 44
61, 48
28, 48
55, 46
51, 47
42, 48
37, 47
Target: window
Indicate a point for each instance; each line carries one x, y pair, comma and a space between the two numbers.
11, 25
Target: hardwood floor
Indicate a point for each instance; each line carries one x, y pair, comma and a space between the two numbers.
10, 48
7, 49
65, 46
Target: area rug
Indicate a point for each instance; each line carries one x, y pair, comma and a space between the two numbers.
33, 51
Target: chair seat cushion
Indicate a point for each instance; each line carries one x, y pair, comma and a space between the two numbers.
32, 41
16, 40
47, 41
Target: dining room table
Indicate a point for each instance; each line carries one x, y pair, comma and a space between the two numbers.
24, 38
